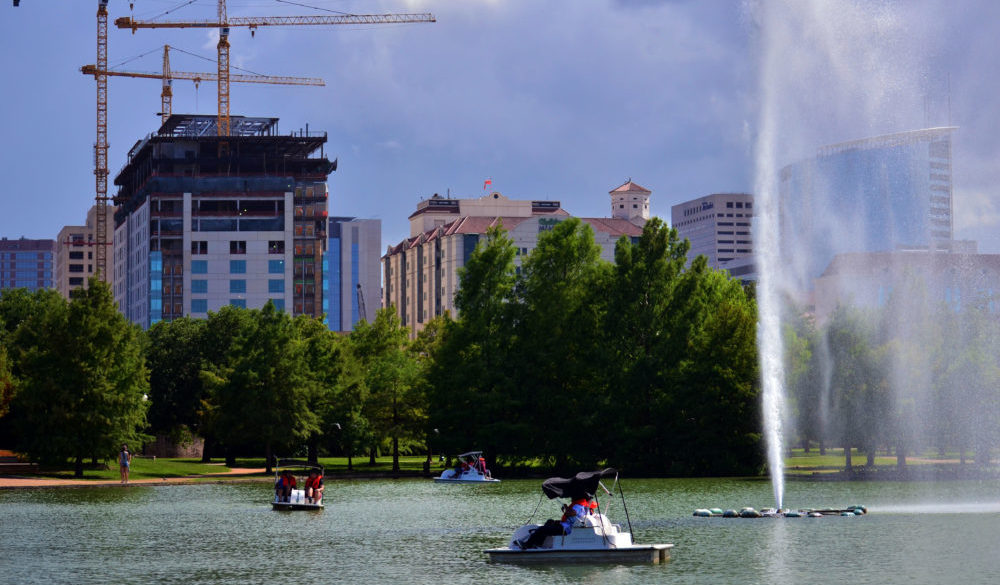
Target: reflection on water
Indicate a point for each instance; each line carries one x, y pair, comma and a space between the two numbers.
408, 531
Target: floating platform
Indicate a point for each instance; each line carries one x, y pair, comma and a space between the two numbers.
749, 512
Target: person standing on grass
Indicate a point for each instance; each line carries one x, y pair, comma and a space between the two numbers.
124, 463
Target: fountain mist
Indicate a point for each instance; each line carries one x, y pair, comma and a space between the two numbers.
830, 71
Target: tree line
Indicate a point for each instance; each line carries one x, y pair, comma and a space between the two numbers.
908, 377
648, 363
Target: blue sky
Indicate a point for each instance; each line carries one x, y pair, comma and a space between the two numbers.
554, 99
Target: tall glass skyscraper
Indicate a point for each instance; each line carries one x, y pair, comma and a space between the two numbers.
871, 195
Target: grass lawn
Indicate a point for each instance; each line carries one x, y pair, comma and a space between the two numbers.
147, 468
799, 462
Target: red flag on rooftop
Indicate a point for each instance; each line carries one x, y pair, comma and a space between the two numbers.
487, 183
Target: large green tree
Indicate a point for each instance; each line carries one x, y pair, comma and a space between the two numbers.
395, 408
84, 380
470, 381
175, 356
558, 324
261, 391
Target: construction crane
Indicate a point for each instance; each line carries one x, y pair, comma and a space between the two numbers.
168, 75
223, 23
361, 303
101, 144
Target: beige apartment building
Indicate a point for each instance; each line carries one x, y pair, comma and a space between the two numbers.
420, 274
75, 254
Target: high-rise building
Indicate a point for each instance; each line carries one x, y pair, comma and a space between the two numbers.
871, 195
351, 276
957, 281
420, 274
74, 254
718, 227
206, 221
26, 263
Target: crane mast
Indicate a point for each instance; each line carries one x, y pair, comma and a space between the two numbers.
223, 23
101, 145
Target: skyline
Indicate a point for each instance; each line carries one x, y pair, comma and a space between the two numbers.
558, 100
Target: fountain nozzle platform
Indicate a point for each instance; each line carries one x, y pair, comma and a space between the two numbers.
749, 512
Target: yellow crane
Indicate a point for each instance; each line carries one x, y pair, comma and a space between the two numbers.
101, 145
168, 75
223, 23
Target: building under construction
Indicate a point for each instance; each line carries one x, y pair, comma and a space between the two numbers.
206, 221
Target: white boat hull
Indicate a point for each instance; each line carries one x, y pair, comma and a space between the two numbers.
291, 506
650, 553
450, 480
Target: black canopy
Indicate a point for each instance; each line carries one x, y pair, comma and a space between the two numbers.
581, 485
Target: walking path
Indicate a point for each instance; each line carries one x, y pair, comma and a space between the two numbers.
12, 482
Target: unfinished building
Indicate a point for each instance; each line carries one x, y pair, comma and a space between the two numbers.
206, 221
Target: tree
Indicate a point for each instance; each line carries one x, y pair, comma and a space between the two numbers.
260, 392
175, 356
469, 377
559, 317
640, 348
394, 408
85, 380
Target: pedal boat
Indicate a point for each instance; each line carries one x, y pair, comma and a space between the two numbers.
297, 499
593, 538
471, 469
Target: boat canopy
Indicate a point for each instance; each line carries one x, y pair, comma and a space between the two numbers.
581, 485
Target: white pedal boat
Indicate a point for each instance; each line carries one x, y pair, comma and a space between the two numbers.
471, 468
297, 498
593, 538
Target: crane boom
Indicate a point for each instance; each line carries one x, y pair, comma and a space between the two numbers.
258, 21
168, 75
199, 77
223, 23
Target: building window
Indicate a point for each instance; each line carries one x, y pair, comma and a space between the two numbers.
275, 266
76, 255
76, 281
279, 304
276, 286
237, 267
199, 247
199, 267
241, 303
729, 204
76, 267
276, 247
237, 286
199, 286
237, 247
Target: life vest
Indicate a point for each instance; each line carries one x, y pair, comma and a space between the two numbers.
314, 482
586, 505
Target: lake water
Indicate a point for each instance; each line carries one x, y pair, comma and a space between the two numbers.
414, 531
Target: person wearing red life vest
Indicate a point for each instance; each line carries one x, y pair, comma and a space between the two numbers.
575, 512
284, 486
314, 487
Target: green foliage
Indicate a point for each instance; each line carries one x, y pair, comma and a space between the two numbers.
260, 392
395, 407
175, 357
580, 362
84, 379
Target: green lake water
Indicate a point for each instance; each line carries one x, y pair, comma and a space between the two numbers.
415, 531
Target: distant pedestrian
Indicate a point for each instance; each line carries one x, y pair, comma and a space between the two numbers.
124, 463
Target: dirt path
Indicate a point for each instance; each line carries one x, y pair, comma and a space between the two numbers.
13, 482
